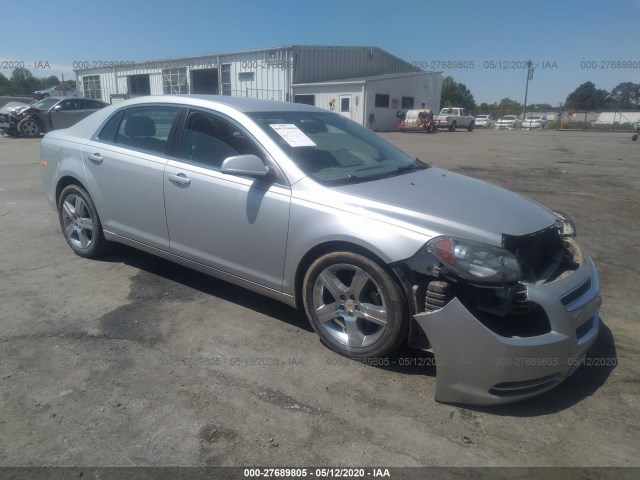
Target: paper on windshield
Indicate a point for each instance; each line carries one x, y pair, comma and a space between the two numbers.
293, 135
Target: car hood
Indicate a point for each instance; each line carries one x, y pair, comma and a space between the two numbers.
13, 107
506, 120
439, 202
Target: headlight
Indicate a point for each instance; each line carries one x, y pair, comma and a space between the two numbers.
565, 225
476, 261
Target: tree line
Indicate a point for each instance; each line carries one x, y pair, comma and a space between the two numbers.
23, 83
625, 96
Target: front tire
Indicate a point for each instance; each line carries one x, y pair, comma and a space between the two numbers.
80, 223
354, 305
28, 127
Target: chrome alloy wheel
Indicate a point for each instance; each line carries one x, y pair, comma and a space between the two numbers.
350, 305
78, 223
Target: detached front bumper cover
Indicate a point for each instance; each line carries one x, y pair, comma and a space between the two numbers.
477, 366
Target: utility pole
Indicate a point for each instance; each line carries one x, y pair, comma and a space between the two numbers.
530, 69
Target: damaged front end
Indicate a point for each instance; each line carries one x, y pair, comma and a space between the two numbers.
504, 323
11, 115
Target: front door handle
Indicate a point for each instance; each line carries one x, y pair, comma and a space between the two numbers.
95, 158
180, 179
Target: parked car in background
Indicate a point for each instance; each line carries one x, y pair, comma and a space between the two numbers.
508, 122
48, 114
535, 122
305, 206
486, 121
56, 91
454, 117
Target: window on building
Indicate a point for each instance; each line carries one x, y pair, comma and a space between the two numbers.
382, 101
246, 76
226, 78
306, 99
138, 85
174, 81
345, 104
91, 87
407, 102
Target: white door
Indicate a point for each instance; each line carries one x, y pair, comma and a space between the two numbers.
345, 105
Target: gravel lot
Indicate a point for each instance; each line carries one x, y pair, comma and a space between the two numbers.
132, 360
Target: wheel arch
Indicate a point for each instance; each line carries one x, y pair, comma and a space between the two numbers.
64, 182
343, 246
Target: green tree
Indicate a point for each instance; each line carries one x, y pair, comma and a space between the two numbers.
51, 81
5, 85
588, 97
626, 96
508, 107
456, 94
23, 82
541, 107
487, 108
70, 84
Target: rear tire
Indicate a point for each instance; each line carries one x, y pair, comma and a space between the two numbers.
354, 305
80, 223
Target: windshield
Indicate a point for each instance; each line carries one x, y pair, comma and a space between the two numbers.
46, 103
482, 117
333, 149
509, 117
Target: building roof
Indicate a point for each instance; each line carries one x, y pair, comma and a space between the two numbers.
139, 63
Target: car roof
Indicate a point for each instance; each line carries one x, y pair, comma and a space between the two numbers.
241, 104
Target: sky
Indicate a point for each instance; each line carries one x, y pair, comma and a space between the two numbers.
478, 43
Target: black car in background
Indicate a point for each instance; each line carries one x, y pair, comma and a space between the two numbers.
50, 113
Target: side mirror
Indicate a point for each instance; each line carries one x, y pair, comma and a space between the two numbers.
244, 165
57, 108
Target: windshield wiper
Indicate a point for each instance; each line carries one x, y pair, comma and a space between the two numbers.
351, 178
402, 169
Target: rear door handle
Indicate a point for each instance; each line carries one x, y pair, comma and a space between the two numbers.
180, 179
95, 158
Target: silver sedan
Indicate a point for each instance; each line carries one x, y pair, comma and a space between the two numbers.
302, 205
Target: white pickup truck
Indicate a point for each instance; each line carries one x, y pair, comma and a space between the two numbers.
452, 118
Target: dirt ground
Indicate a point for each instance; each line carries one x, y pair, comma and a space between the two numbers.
131, 360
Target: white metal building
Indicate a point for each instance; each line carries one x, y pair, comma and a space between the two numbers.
374, 101
278, 73
609, 118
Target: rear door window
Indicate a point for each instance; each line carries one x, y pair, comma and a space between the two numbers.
146, 128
